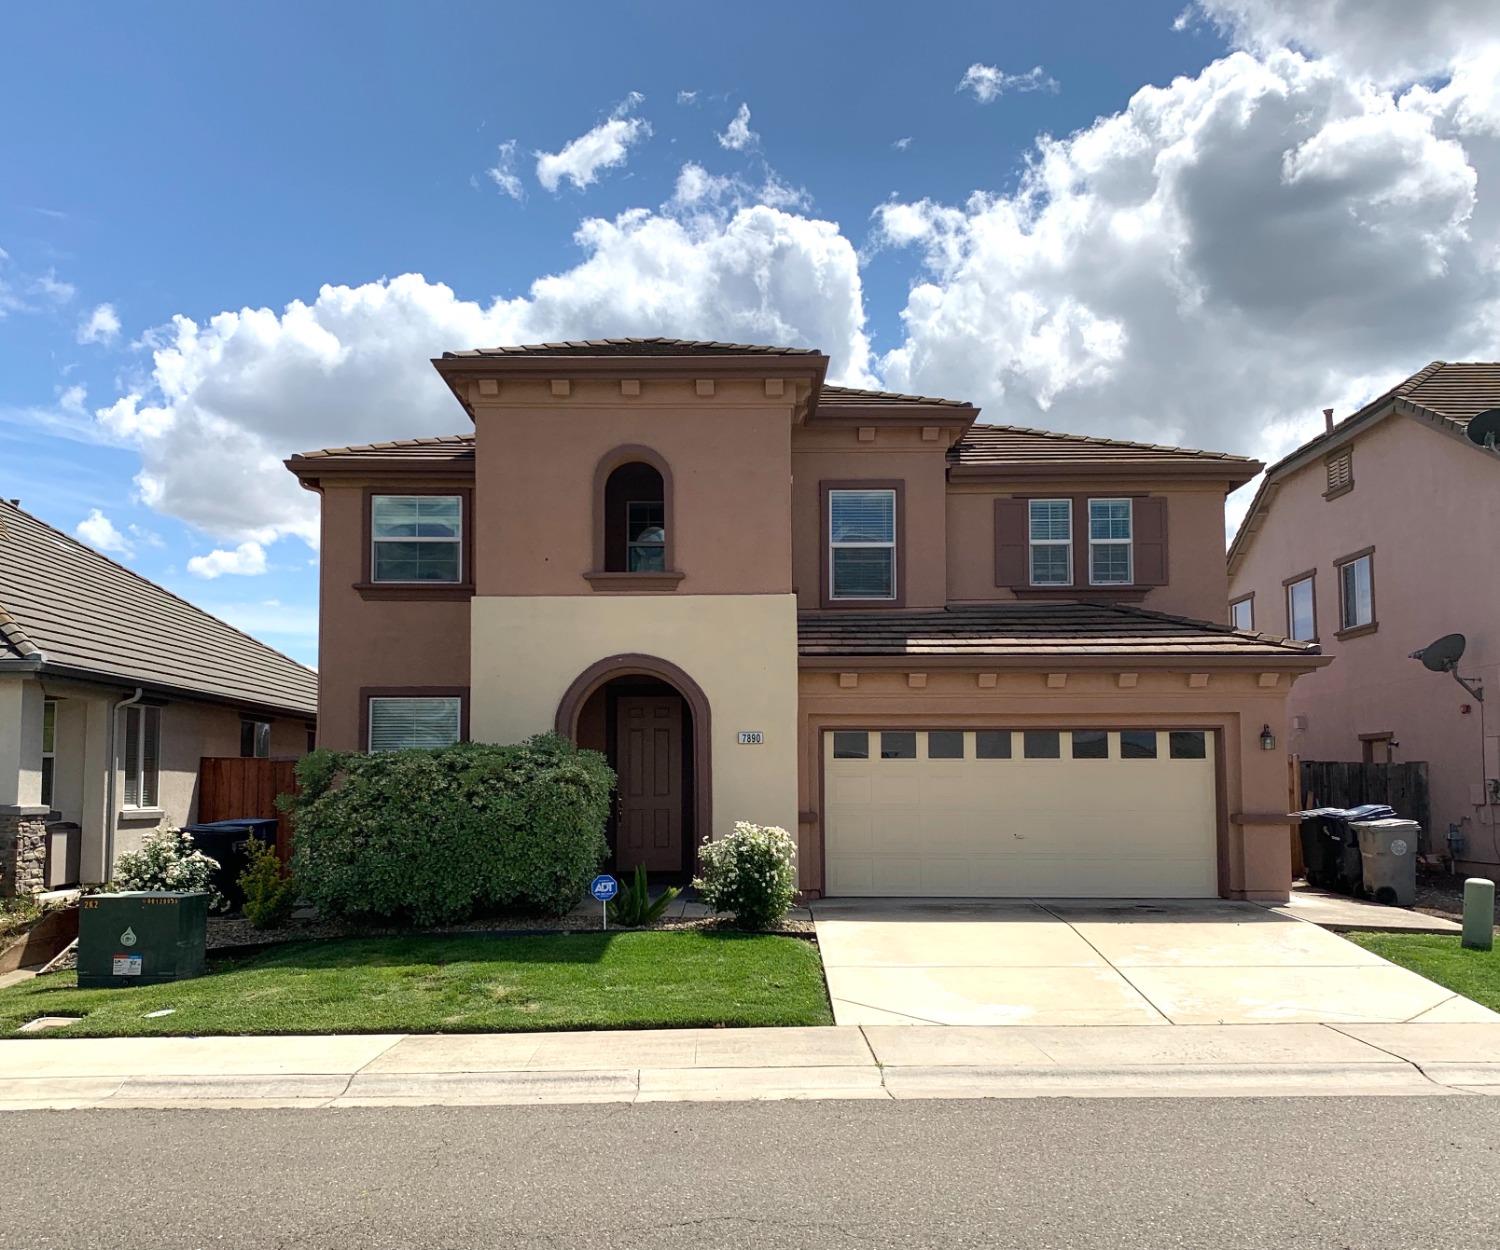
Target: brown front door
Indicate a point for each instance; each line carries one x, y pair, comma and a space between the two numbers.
649, 729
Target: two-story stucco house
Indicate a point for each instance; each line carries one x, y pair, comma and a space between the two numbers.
1374, 539
955, 659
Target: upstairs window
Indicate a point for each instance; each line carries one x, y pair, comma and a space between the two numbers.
1242, 613
142, 762
1110, 542
862, 544
416, 538
1301, 609
1357, 591
635, 525
255, 739
1050, 535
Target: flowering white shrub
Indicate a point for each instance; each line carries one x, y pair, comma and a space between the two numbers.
169, 861
752, 874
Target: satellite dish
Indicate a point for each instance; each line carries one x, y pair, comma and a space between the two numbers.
1485, 428
1443, 655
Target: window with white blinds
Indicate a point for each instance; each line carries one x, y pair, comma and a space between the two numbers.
142, 762
397, 724
862, 544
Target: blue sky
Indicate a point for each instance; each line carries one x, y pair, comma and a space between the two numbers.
1194, 263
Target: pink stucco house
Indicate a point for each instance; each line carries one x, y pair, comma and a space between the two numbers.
1374, 539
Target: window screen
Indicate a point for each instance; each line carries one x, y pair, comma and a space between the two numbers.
862, 544
398, 723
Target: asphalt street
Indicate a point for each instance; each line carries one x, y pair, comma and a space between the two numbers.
1337, 1174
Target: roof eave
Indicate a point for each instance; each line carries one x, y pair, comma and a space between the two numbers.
312, 468
1053, 661
74, 672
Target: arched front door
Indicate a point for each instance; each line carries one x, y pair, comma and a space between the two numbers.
651, 720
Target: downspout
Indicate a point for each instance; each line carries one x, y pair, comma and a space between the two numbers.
111, 812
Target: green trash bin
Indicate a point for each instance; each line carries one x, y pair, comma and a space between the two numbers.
141, 937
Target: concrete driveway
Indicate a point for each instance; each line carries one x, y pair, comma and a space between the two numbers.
1101, 961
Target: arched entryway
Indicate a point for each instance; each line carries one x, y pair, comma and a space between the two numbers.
651, 720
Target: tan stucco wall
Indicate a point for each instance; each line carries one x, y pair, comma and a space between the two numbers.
1430, 506
836, 453
1195, 540
729, 456
375, 642
740, 649
1256, 856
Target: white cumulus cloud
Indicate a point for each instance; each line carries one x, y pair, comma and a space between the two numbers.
989, 82
605, 146
246, 560
102, 325
737, 136
99, 532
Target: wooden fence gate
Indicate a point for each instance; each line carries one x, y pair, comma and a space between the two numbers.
232, 788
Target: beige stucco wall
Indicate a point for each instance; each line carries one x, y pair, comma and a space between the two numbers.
1430, 506
1255, 840
1195, 540
740, 649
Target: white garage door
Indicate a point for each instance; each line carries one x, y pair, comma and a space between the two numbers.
1027, 813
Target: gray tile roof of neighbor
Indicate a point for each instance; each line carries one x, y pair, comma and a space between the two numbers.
635, 347
74, 610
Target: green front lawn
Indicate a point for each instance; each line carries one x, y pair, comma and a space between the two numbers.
458, 985
1439, 957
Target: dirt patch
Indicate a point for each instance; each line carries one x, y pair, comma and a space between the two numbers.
1442, 894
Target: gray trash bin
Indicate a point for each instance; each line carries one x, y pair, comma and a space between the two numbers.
1388, 849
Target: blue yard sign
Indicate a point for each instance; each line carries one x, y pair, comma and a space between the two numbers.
604, 887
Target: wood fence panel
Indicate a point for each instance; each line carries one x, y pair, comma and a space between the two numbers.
1338, 783
233, 788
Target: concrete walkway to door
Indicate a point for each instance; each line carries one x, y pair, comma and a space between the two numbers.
1108, 962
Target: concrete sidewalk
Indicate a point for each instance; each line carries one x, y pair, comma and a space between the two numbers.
873, 1061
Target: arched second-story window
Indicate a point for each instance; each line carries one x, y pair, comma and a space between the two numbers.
635, 520
633, 538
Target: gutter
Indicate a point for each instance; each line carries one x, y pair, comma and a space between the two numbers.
111, 810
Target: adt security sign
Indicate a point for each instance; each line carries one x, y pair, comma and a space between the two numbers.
604, 887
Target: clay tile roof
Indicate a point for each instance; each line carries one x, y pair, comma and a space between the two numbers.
1010, 444
835, 396
635, 347
65, 607
1021, 630
443, 447
1456, 391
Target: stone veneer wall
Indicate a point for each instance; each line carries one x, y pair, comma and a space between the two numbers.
23, 855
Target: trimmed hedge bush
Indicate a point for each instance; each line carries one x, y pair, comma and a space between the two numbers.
438, 836
751, 873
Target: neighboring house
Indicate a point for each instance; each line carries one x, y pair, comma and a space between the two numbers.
955, 659
111, 690
1374, 539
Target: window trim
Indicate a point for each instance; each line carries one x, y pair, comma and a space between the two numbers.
897, 486
49, 775
1066, 543
598, 575
135, 714
1234, 603
1309, 575
1367, 627
366, 693
1128, 542
369, 588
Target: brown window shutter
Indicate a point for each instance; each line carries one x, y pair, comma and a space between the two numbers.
1150, 520
1011, 543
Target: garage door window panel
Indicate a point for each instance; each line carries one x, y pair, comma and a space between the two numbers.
1138, 744
1090, 744
992, 744
1042, 744
945, 744
851, 745
901, 745
1189, 744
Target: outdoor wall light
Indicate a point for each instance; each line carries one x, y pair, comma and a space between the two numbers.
1267, 739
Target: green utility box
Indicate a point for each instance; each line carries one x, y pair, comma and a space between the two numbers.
142, 937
